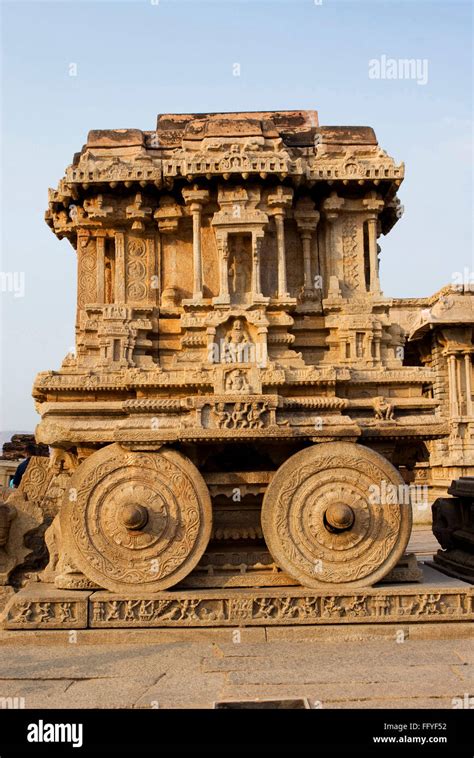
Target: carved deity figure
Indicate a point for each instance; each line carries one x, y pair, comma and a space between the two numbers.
287, 609
187, 609
331, 607
44, 611
114, 610
236, 345
65, 611
383, 410
254, 415
430, 603
307, 607
223, 416
381, 605
24, 611
98, 611
239, 416
239, 270
236, 381
130, 607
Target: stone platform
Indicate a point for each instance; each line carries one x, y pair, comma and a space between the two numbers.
437, 599
333, 667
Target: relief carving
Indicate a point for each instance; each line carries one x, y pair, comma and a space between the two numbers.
137, 275
240, 415
138, 518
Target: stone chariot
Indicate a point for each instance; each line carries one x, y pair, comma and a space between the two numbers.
242, 413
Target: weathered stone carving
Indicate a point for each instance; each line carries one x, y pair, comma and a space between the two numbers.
326, 520
42, 606
27, 514
240, 415
236, 382
138, 520
7, 515
234, 348
56, 609
383, 410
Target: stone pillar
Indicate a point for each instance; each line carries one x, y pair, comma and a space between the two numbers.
167, 217
374, 204
195, 199
224, 263
377, 355
307, 221
282, 284
308, 281
222, 241
332, 206
452, 384
119, 267
197, 262
468, 370
278, 201
100, 271
257, 240
373, 260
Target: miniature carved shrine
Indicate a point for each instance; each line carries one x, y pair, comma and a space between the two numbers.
232, 440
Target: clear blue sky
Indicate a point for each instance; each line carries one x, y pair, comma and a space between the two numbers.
137, 59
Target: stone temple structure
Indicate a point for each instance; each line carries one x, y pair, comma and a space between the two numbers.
245, 417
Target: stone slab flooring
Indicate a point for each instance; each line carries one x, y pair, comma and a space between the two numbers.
423, 542
382, 673
364, 666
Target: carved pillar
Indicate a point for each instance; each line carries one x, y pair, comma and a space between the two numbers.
119, 267
374, 266
197, 262
374, 204
452, 385
306, 235
282, 284
257, 240
331, 244
282, 198
195, 199
370, 347
222, 241
332, 206
87, 270
100, 272
307, 221
377, 356
224, 262
167, 217
468, 371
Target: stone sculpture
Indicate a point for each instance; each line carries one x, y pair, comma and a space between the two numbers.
242, 394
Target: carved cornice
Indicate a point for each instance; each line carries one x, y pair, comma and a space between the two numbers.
203, 149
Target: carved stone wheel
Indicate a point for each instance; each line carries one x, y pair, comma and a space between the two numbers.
137, 522
332, 517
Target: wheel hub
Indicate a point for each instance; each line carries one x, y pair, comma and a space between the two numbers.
134, 516
339, 517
